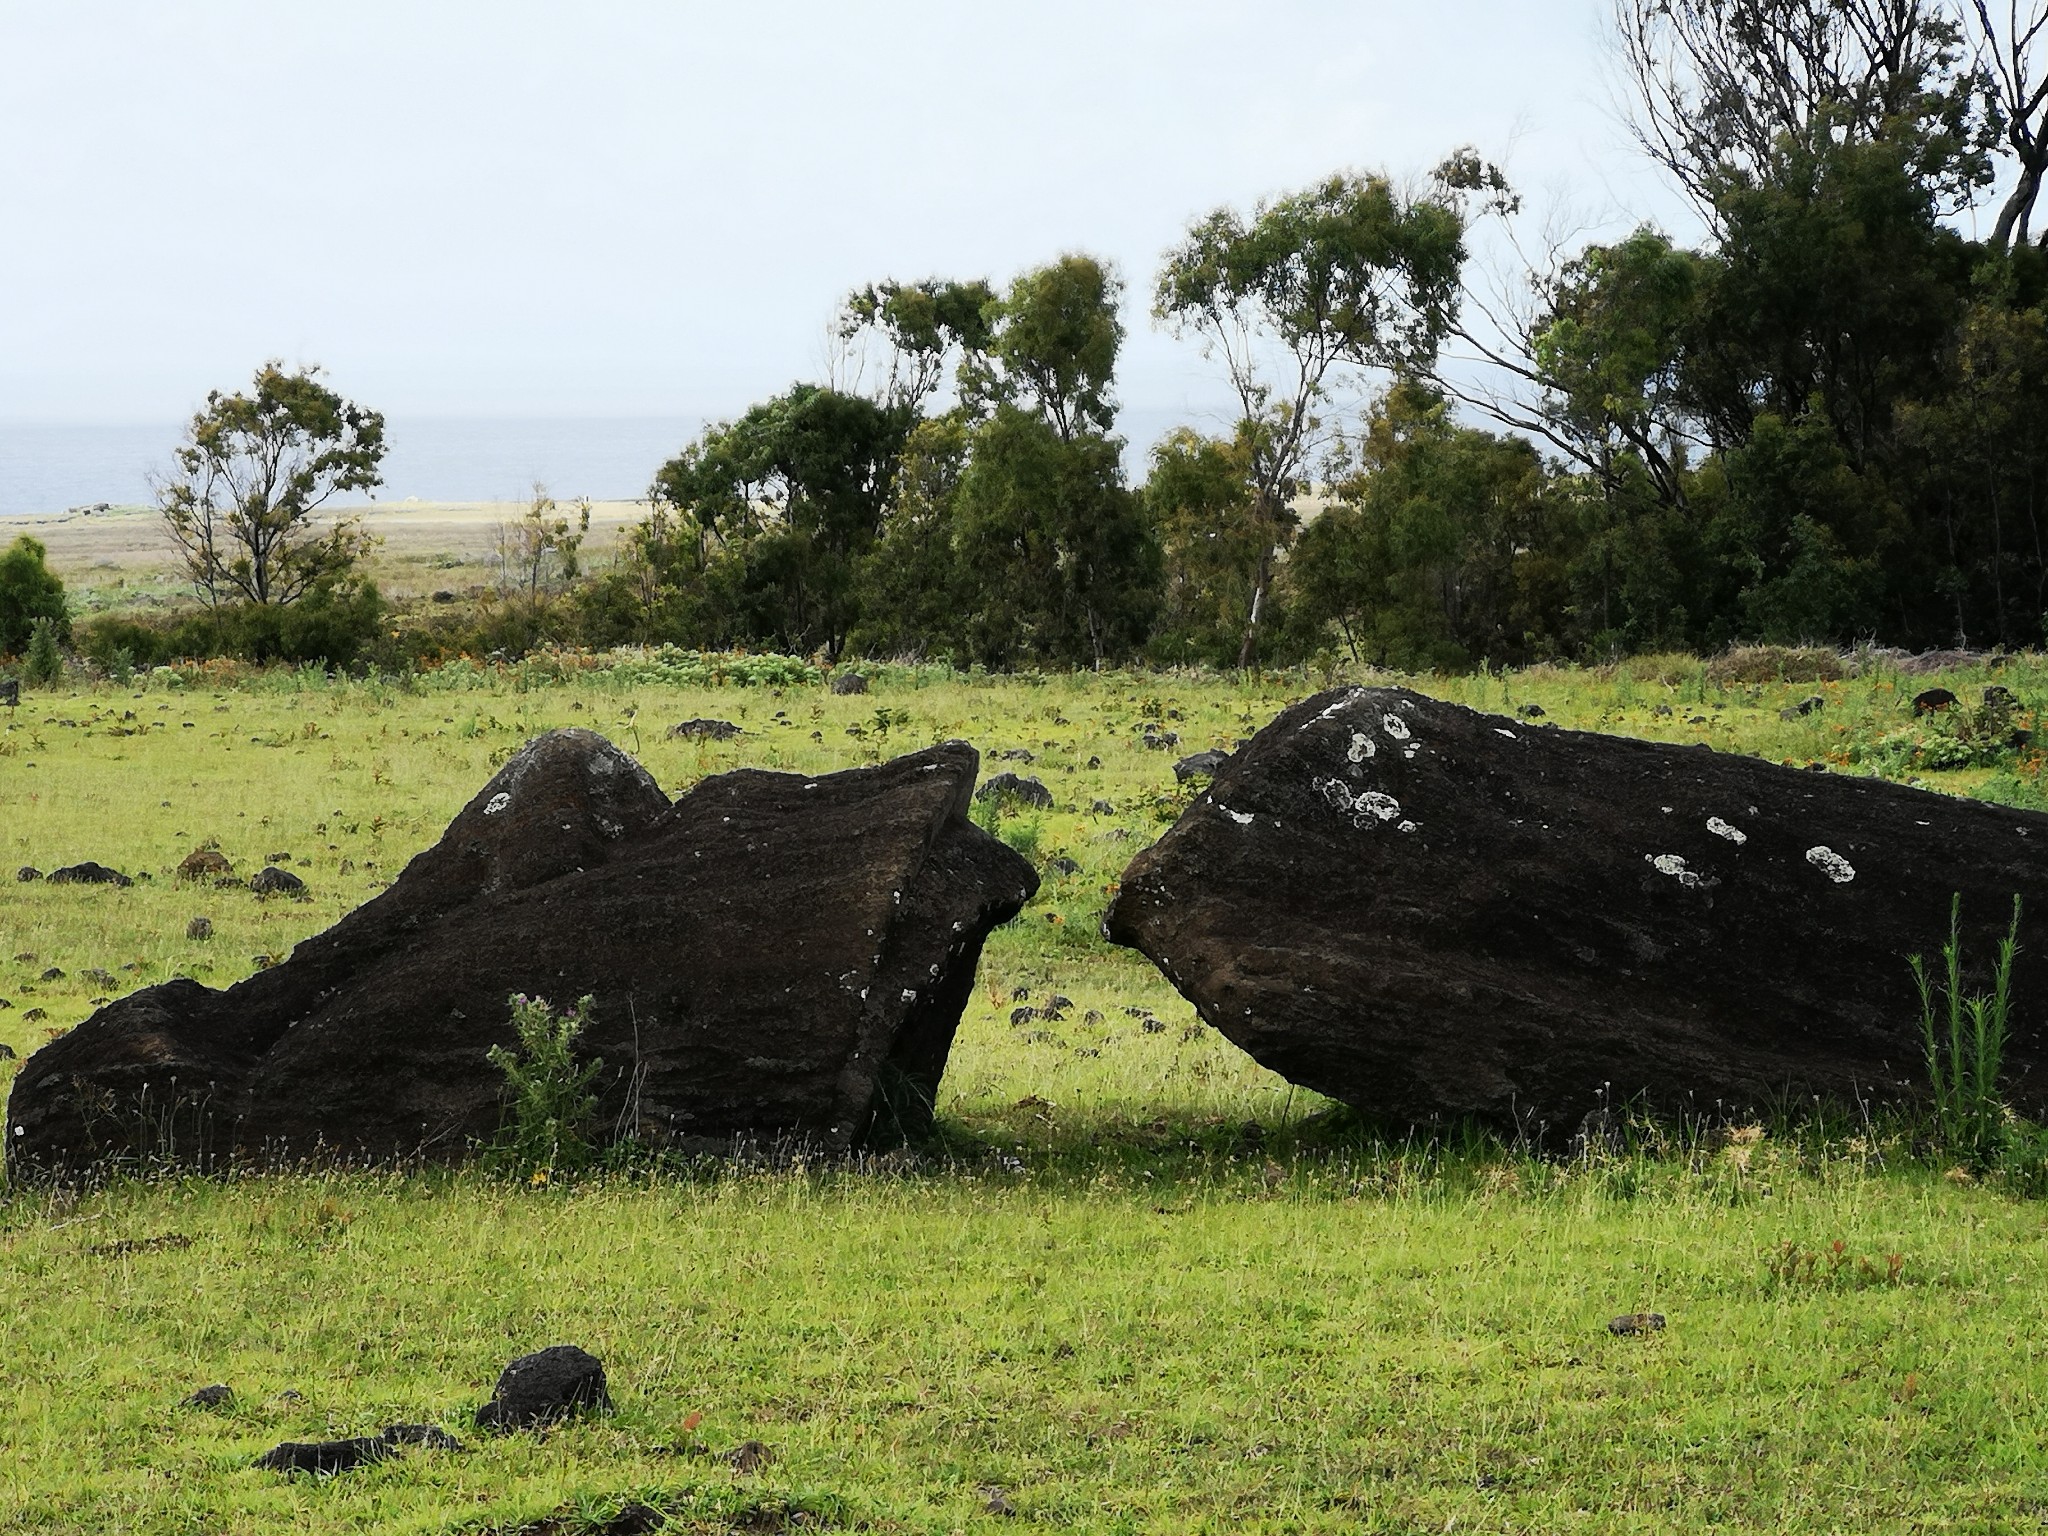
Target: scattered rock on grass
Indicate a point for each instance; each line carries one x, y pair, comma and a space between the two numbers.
204, 864
324, 1458
6, 1050
1632, 1324
1010, 786
273, 881
550, 1384
28, 873
749, 1456
1203, 765
848, 682
1803, 708
703, 730
219, 1395
199, 928
88, 873
1060, 866
1933, 700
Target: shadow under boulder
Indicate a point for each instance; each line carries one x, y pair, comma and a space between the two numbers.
769, 957
1431, 913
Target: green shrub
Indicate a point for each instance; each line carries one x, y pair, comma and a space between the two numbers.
1963, 1038
29, 590
44, 665
549, 1107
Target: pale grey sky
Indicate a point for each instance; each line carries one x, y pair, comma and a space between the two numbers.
623, 207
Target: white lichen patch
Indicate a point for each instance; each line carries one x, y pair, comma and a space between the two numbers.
1362, 747
1673, 864
1242, 818
1395, 727
1406, 826
497, 803
1351, 697
1366, 808
1721, 828
1831, 864
1501, 730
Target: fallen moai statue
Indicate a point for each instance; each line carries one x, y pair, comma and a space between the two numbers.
770, 956
1430, 913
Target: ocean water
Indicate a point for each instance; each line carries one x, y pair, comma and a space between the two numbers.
48, 467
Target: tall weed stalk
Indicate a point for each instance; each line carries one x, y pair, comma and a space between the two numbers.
1963, 1036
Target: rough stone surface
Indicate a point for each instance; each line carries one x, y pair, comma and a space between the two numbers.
848, 682
549, 1384
28, 873
88, 873
770, 957
1429, 913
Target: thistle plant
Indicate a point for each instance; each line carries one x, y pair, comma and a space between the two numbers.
548, 1103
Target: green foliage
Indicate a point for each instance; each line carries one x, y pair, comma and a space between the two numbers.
29, 590
335, 623
1348, 274
43, 666
759, 525
549, 1108
1963, 1040
1442, 549
253, 470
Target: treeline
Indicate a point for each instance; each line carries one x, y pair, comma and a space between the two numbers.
1827, 421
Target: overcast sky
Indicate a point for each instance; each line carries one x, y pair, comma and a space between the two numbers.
628, 207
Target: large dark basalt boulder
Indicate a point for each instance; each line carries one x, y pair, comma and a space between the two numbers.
771, 956
1431, 913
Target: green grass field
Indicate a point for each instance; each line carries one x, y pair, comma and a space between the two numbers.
1137, 1285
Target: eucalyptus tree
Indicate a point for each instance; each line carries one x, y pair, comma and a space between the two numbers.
1351, 274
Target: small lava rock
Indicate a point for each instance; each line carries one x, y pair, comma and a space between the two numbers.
549, 1384
1008, 786
704, 730
88, 873
204, 864
749, 1456
849, 682
199, 928
1062, 866
326, 1457
1531, 712
273, 881
1933, 700
1203, 765
1632, 1324
219, 1395
27, 873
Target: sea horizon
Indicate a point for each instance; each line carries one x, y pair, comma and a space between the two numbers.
48, 468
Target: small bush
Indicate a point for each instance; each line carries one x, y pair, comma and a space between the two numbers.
44, 664
548, 1106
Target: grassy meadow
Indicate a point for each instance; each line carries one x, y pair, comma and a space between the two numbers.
1137, 1284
